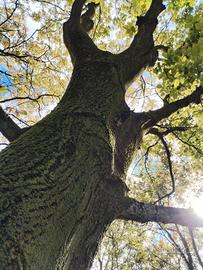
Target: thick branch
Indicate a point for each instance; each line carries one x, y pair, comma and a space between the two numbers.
141, 52
79, 44
130, 126
8, 127
143, 212
86, 19
168, 109
77, 10
168, 130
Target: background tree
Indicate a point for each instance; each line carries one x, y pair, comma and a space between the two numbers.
63, 180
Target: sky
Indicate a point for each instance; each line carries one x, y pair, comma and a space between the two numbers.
5, 80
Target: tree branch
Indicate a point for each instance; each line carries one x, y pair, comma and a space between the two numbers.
29, 98
9, 128
130, 127
52, 4
195, 247
144, 212
168, 130
76, 39
86, 19
187, 249
199, 151
160, 135
77, 10
175, 244
168, 109
11, 14
141, 52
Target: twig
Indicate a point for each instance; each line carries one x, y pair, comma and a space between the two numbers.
168, 154
11, 14
98, 22
28, 97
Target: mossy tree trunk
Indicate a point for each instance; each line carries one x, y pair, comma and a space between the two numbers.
62, 181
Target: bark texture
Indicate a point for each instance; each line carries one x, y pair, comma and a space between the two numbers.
58, 192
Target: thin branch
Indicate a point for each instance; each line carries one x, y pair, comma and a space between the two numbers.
20, 120
98, 22
21, 57
188, 144
6, 73
173, 130
168, 154
28, 97
162, 260
52, 4
143, 212
143, 87
187, 249
164, 112
44, 27
4, 144
195, 247
146, 167
173, 242
11, 14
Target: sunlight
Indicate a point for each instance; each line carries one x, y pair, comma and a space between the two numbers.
197, 205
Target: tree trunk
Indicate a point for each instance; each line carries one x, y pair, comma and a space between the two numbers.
58, 189
60, 181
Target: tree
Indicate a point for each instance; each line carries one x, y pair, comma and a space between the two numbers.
63, 179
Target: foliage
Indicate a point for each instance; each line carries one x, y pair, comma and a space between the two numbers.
35, 61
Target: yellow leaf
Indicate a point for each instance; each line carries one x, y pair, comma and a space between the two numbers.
176, 83
3, 89
23, 112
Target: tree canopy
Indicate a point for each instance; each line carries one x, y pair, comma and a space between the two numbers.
167, 169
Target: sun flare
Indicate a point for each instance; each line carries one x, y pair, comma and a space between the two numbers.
197, 205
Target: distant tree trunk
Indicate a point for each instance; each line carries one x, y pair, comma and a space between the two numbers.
61, 182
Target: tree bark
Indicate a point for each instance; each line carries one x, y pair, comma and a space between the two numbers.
60, 181
58, 191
